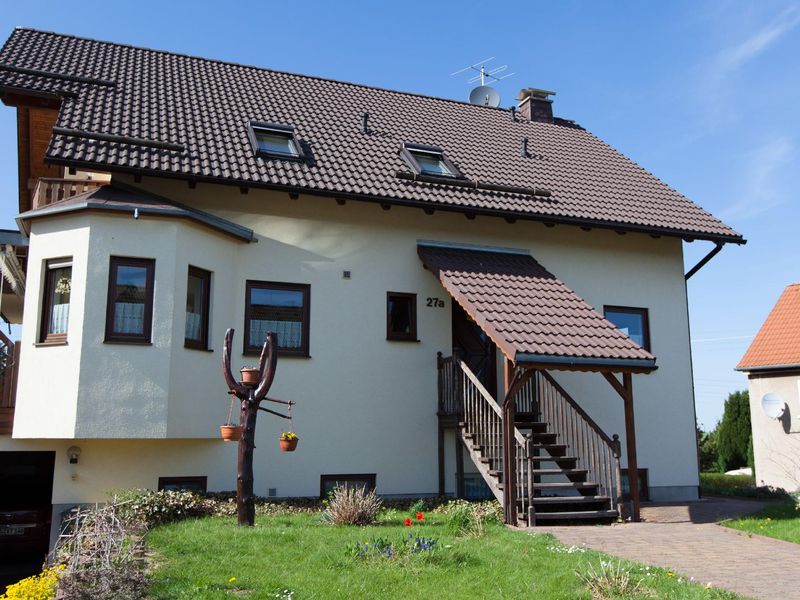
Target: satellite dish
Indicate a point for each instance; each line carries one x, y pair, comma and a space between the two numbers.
484, 95
773, 406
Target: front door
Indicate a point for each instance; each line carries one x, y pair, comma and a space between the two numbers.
476, 349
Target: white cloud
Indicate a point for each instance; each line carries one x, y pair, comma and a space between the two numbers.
762, 188
734, 57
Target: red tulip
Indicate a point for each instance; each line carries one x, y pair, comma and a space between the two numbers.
407, 522
420, 516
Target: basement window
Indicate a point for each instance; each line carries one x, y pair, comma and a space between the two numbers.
196, 484
429, 160
328, 483
273, 140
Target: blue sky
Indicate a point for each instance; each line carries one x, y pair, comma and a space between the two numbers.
703, 94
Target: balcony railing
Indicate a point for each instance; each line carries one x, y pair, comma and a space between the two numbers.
49, 189
9, 364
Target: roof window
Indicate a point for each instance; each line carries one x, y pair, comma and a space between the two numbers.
272, 140
429, 160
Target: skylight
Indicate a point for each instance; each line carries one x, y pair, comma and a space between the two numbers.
429, 160
274, 141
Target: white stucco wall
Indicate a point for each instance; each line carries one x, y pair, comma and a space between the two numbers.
776, 442
364, 404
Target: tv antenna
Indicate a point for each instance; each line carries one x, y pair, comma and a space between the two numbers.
484, 94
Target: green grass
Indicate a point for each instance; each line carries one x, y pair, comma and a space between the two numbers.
780, 520
197, 558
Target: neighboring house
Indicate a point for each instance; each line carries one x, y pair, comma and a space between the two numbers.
772, 364
165, 198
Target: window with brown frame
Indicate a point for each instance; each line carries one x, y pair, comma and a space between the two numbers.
198, 296
282, 308
633, 322
55, 301
192, 484
327, 483
401, 316
129, 311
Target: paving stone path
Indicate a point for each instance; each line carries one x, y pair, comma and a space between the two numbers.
685, 538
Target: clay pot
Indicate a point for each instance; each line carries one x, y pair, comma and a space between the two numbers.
288, 445
249, 376
231, 433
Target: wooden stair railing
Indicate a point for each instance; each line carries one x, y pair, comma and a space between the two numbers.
584, 479
9, 355
597, 453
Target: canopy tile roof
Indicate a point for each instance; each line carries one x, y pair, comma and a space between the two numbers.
530, 314
190, 116
777, 343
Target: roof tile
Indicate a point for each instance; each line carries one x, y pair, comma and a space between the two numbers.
205, 105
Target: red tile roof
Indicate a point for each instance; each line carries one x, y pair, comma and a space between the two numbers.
200, 108
777, 343
527, 311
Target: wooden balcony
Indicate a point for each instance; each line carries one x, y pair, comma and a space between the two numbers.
9, 365
49, 189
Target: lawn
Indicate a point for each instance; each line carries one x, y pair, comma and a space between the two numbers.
780, 520
301, 557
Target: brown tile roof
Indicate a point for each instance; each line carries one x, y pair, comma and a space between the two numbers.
527, 311
777, 343
202, 107
117, 199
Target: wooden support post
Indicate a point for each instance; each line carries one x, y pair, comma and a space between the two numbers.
630, 444
441, 459
459, 465
625, 390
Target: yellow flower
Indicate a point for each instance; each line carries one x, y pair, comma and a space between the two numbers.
670, 574
232, 579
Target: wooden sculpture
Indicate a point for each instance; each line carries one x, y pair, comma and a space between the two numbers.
250, 397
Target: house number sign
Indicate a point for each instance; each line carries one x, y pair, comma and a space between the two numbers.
435, 302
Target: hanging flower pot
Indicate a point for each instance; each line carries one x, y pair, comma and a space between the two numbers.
249, 375
288, 441
231, 433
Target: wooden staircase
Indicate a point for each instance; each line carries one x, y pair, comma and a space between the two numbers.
565, 468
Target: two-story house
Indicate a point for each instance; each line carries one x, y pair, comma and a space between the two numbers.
468, 300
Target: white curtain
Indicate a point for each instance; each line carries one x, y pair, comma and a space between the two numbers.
290, 333
128, 317
194, 322
59, 319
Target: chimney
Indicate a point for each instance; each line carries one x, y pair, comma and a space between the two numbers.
535, 105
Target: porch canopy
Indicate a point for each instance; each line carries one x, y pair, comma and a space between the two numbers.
532, 317
539, 324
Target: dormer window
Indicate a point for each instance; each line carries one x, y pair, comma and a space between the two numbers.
429, 160
272, 140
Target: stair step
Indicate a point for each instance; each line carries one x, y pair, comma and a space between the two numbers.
541, 437
556, 459
560, 485
560, 471
573, 514
569, 499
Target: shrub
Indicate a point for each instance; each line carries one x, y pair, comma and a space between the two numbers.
733, 432
122, 581
743, 486
37, 587
469, 518
147, 508
352, 506
611, 581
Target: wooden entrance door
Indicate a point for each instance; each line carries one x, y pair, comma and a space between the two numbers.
475, 348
